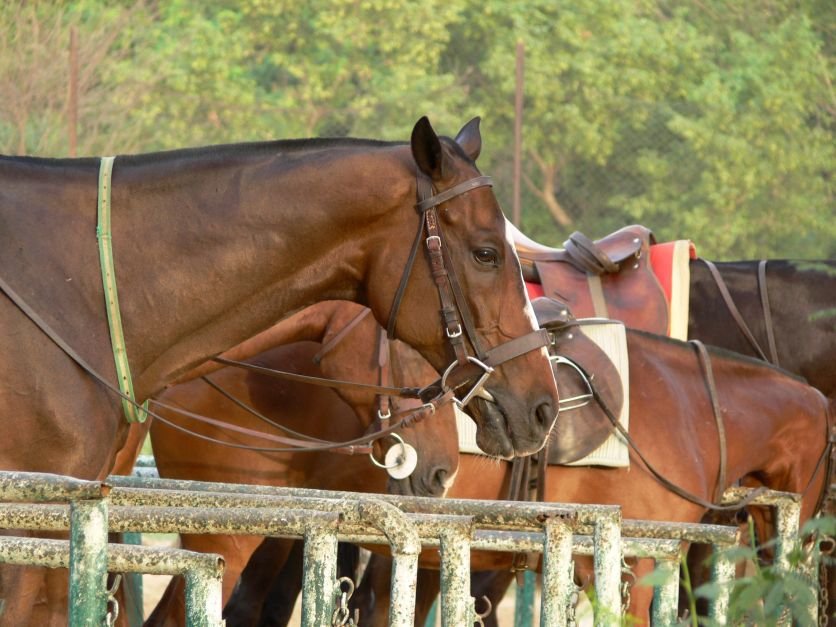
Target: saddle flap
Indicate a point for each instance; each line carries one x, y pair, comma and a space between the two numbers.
583, 428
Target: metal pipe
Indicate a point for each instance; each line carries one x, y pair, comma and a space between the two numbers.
88, 562
558, 574
607, 565
319, 580
457, 606
405, 545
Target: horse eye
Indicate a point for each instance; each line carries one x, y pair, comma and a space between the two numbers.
486, 256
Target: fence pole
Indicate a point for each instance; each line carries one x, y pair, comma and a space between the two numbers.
558, 574
457, 606
319, 580
607, 564
88, 562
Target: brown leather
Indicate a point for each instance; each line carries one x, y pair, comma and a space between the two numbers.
632, 291
578, 432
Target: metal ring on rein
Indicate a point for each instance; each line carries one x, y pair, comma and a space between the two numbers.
398, 465
478, 386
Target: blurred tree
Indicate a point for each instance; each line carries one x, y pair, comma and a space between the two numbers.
709, 120
34, 69
705, 119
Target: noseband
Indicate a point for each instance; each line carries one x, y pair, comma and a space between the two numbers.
455, 312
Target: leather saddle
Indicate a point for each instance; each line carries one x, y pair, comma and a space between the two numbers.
607, 278
582, 429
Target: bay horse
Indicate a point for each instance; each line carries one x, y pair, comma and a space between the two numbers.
779, 310
777, 432
228, 239
335, 340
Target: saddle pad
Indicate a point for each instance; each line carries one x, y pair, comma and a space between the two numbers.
670, 265
612, 339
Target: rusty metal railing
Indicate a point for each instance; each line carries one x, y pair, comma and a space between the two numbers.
40, 502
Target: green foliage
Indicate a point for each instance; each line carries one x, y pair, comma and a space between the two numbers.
770, 594
706, 119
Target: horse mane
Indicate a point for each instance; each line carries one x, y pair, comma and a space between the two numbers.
290, 146
720, 352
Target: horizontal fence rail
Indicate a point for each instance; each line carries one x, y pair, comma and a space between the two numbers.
40, 502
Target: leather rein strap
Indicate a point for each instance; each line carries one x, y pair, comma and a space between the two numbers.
737, 316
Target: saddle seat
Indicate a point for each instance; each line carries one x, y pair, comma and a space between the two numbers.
607, 255
608, 278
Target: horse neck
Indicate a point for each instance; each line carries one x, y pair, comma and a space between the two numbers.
232, 243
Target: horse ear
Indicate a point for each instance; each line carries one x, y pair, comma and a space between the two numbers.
426, 150
470, 139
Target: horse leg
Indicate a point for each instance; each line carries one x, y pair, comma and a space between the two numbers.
20, 588
641, 596
281, 599
165, 613
372, 595
491, 585
256, 577
428, 587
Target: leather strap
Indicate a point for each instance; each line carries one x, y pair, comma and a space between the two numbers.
429, 202
330, 344
682, 493
328, 383
596, 292
588, 256
114, 318
708, 374
733, 310
767, 311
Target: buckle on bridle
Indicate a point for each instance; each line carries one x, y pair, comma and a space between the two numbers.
488, 371
381, 417
437, 238
456, 333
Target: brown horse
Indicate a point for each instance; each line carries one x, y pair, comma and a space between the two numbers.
228, 239
781, 311
351, 352
776, 428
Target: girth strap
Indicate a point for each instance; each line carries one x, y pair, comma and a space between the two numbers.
767, 311
708, 372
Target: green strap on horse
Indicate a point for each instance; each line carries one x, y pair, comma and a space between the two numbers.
114, 320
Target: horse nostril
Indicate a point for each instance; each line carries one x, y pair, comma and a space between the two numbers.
545, 416
438, 481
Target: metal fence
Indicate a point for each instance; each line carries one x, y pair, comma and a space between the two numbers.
89, 510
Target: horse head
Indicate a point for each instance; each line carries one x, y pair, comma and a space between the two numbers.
358, 351
486, 340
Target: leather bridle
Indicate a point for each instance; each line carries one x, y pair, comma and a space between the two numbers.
456, 316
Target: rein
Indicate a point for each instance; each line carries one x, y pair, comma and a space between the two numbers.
738, 317
618, 427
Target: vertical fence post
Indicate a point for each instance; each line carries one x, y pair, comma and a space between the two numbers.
457, 606
88, 562
558, 574
319, 581
722, 574
524, 600
666, 596
204, 597
607, 563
